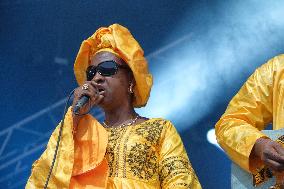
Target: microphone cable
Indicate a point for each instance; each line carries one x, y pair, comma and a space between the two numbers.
60, 133
58, 140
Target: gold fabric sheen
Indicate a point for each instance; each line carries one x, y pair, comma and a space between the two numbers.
62, 170
120, 40
71, 153
259, 102
105, 49
144, 156
148, 155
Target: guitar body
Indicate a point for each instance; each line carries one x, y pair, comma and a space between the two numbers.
240, 179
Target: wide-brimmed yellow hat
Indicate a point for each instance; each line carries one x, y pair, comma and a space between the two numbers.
120, 40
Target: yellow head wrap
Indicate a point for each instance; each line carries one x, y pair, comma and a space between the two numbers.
118, 40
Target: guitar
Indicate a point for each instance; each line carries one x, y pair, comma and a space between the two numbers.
240, 179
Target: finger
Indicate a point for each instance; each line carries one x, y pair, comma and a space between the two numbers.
274, 165
95, 100
98, 86
91, 87
273, 154
100, 98
85, 93
279, 148
95, 84
89, 91
79, 95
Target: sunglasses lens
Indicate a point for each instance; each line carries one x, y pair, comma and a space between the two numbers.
107, 68
91, 72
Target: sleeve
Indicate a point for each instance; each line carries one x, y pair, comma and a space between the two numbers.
62, 169
249, 111
175, 170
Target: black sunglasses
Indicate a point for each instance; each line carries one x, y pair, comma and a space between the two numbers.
106, 68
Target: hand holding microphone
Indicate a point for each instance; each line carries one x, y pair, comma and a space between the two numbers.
87, 96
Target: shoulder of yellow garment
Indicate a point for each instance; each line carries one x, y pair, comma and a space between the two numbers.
169, 129
167, 126
166, 123
274, 64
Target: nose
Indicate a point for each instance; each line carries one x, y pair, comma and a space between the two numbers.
98, 78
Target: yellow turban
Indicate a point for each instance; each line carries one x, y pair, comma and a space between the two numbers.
120, 40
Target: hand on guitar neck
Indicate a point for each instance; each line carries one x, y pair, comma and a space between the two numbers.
271, 154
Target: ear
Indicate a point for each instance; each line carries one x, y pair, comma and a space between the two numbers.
131, 83
131, 79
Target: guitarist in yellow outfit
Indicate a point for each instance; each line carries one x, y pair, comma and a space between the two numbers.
259, 102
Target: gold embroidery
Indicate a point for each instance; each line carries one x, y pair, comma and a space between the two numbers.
181, 184
258, 179
174, 165
142, 161
151, 131
261, 176
112, 152
280, 140
125, 152
132, 150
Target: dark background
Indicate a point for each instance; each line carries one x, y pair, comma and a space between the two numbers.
199, 52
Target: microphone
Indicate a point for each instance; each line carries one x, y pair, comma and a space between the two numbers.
81, 102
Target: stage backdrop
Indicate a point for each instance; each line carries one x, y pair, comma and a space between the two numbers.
200, 53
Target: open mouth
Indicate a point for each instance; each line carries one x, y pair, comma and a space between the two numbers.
100, 88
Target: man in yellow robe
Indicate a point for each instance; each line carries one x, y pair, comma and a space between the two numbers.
259, 102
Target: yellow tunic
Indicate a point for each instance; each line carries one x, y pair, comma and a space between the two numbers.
149, 155
145, 156
259, 102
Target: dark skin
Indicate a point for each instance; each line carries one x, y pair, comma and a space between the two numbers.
111, 93
271, 154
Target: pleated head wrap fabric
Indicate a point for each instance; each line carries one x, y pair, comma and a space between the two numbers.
118, 40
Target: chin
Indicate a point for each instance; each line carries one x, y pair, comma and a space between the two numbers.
105, 104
